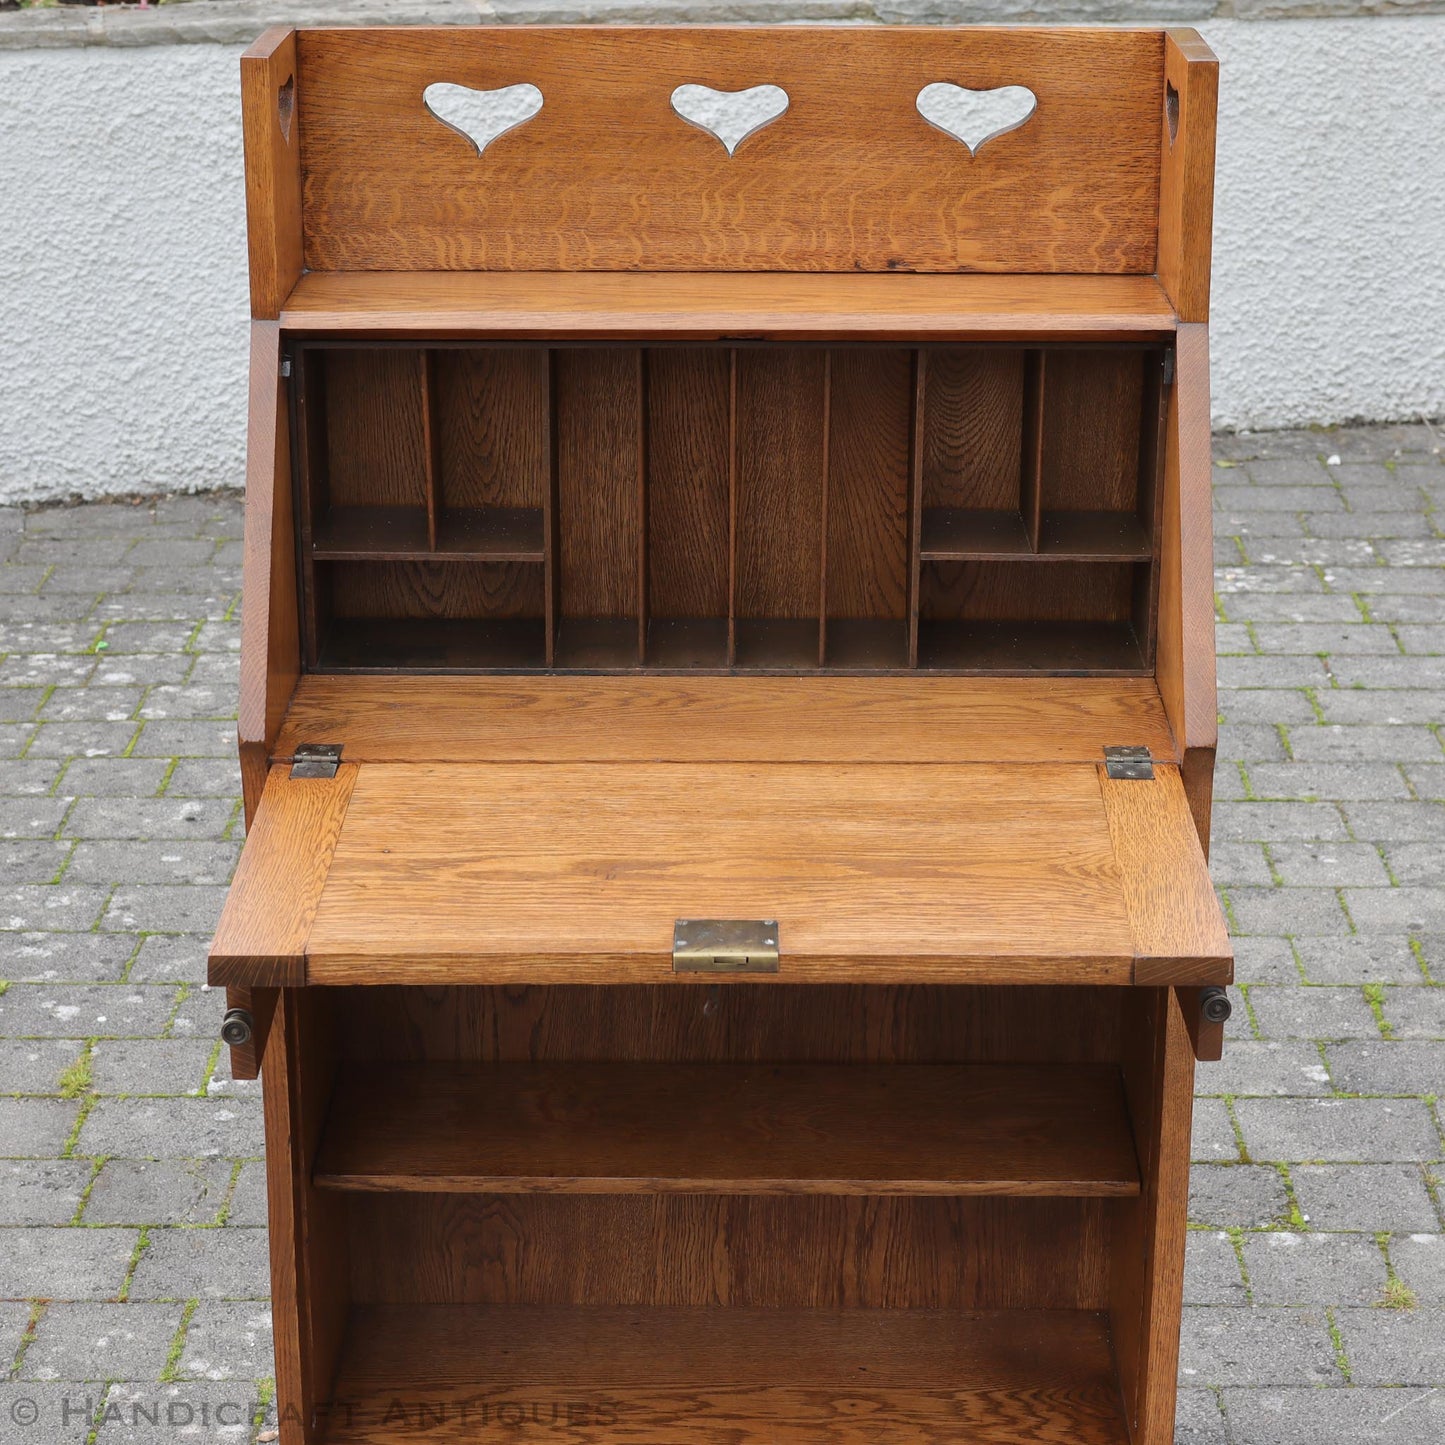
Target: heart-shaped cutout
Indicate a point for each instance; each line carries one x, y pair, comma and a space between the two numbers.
730, 116
1171, 110
482, 115
975, 117
286, 107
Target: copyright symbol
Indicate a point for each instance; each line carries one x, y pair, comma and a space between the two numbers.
24, 1412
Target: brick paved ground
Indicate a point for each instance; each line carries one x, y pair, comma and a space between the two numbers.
132, 1244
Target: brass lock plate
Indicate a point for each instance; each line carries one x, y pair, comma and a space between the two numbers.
725, 945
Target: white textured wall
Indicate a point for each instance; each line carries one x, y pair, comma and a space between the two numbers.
122, 250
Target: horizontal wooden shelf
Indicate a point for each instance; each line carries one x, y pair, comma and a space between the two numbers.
957, 534
463, 534
627, 1128
1098, 648
725, 1376
713, 306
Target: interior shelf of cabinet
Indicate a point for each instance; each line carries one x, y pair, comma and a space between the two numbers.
620, 1128
433, 644
1093, 647
690, 1375
463, 534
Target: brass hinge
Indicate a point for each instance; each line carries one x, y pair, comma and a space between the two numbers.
1133, 764
315, 760
725, 945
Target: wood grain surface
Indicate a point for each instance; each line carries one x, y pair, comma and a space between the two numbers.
1186, 182
713, 306
607, 177
496, 873
270, 108
730, 1377
261, 938
1179, 929
730, 1129
740, 719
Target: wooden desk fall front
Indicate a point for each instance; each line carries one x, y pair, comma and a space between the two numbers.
716, 977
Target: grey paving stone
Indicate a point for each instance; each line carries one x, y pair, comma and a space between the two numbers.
172, 1129
14, 1317
59, 1418
1360, 1416
144, 668
34, 860
1268, 706
1415, 1013
1261, 959
114, 777
199, 778
1394, 1347
1382, 958
179, 957
67, 957
203, 1264
82, 704
78, 1011
1312, 1013
1213, 1135
1252, 743
248, 1200
1272, 822
158, 1191
34, 777
200, 1015
1375, 581
1279, 496
169, 861
1427, 672
1398, 822
1371, 782
31, 817
31, 907
228, 1341
1364, 1196
41, 1191
1380, 708
1427, 779
1415, 863
1348, 1130
1256, 1346
101, 1342
83, 739
1419, 1261
1211, 1270
35, 1128
191, 701
1244, 672
1267, 1069
22, 670
1233, 864
182, 819
149, 1066
1232, 579
1409, 607
190, 740
1376, 524
1247, 1196
1356, 742
189, 1413
1396, 1067
1286, 1268
33, 1066
1301, 912
164, 908
1397, 910
77, 1264
1278, 638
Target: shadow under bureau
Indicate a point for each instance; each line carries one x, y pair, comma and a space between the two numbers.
727, 729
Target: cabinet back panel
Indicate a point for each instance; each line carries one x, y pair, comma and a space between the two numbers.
689, 461
819, 1252
782, 436
491, 420
599, 486
687, 1023
375, 432
868, 450
1093, 403
973, 411
434, 589
1001, 591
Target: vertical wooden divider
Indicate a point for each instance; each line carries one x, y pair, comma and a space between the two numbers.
308, 442
431, 442
642, 467
1154, 424
915, 498
732, 507
823, 527
551, 545
1031, 452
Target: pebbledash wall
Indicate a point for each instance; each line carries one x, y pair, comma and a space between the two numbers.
123, 297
